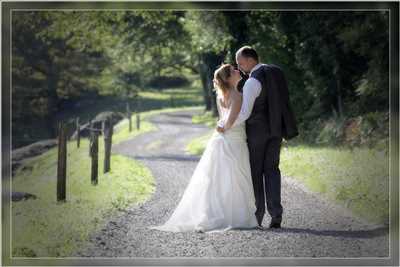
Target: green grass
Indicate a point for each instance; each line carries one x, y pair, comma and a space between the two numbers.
355, 178
197, 145
151, 99
205, 118
122, 129
147, 114
42, 227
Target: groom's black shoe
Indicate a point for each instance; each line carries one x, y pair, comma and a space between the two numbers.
259, 220
275, 223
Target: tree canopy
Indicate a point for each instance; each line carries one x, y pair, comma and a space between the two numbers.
336, 63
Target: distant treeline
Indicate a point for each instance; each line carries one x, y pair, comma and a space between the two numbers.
336, 62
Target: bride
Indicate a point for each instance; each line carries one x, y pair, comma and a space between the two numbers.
220, 193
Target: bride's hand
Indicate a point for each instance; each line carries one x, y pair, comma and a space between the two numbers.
220, 129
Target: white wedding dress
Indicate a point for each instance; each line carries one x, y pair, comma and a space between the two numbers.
220, 193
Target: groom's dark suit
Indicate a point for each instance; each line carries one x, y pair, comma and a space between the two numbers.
270, 120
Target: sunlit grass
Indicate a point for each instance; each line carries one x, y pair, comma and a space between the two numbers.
150, 113
197, 145
151, 99
122, 129
205, 118
358, 178
42, 227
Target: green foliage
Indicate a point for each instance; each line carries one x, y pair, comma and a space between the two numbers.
49, 66
161, 82
372, 88
333, 131
66, 55
208, 31
331, 63
154, 42
368, 130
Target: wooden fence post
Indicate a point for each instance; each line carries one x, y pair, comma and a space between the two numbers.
108, 132
78, 132
137, 121
128, 114
94, 152
90, 129
138, 107
62, 162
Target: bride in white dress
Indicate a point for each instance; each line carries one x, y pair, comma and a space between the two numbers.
220, 193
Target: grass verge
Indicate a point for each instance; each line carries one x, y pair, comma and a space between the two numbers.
355, 178
45, 228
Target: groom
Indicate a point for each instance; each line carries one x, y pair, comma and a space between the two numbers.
269, 118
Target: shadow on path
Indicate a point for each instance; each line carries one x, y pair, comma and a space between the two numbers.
169, 158
379, 231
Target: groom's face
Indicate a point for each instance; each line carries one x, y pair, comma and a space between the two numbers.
243, 64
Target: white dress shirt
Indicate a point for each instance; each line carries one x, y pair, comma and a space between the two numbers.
251, 90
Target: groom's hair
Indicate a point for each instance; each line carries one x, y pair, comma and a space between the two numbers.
247, 51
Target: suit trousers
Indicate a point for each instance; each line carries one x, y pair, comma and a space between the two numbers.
264, 162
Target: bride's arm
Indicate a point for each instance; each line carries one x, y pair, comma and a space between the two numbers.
220, 122
219, 108
234, 110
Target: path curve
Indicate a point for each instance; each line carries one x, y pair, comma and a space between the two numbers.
312, 225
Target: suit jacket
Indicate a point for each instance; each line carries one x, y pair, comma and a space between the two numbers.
272, 110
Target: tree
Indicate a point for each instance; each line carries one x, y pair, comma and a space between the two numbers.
210, 40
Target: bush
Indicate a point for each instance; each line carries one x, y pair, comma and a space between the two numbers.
332, 132
370, 130
24, 252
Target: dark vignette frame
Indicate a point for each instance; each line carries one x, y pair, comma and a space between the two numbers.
393, 7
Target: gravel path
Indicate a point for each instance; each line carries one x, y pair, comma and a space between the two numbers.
312, 226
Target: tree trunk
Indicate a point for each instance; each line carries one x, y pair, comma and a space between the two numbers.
209, 62
206, 91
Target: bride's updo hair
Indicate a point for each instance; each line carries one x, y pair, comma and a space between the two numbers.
221, 76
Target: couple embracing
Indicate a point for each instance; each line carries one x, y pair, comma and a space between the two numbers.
238, 174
